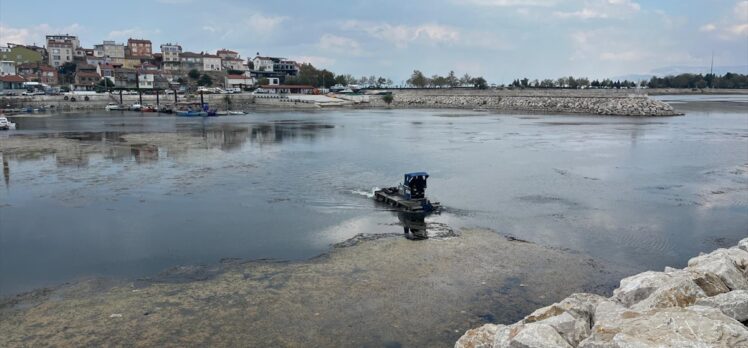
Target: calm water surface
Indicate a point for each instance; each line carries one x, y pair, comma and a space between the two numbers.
647, 192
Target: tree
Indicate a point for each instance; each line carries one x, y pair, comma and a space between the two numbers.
341, 80
452, 80
205, 80
234, 72
417, 79
388, 98
105, 82
524, 82
194, 74
480, 83
466, 80
181, 81
381, 81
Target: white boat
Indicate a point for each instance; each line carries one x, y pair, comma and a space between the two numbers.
136, 107
114, 106
237, 113
5, 124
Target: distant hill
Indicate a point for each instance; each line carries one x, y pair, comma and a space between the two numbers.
681, 69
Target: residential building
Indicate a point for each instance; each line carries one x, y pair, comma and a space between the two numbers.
86, 77
238, 81
106, 71
146, 78
61, 49
170, 53
131, 62
190, 61
211, 62
20, 54
230, 60
7, 67
286, 89
38, 72
267, 67
140, 48
125, 78
11, 82
112, 50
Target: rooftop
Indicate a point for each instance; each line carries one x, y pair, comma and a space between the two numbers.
12, 78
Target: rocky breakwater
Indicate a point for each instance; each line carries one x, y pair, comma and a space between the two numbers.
702, 305
632, 105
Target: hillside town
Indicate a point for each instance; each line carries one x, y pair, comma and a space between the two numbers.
62, 64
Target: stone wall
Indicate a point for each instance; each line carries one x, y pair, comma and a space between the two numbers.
702, 305
621, 105
99, 101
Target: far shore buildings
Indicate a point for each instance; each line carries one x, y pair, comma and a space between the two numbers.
170, 57
273, 67
61, 49
230, 60
111, 51
140, 48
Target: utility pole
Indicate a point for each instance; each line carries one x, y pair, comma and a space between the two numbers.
711, 72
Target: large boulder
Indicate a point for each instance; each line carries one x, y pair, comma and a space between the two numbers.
533, 335
481, 337
711, 283
734, 304
658, 290
695, 326
571, 328
729, 264
579, 305
743, 244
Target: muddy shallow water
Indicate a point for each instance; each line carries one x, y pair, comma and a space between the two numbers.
157, 214
129, 195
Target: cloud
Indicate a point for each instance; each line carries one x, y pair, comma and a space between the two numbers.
339, 44
209, 28
401, 35
264, 23
509, 3
595, 10
317, 61
709, 27
34, 34
741, 11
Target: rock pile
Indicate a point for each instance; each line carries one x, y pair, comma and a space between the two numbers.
703, 305
634, 105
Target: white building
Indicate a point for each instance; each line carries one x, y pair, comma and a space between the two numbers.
170, 53
61, 49
7, 67
263, 63
239, 81
211, 63
109, 49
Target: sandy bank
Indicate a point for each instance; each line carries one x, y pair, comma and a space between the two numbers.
384, 292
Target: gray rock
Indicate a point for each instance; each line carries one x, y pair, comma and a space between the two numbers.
695, 326
658, 289
728, 264
571, 328
711, 283
534, 335
481, 337
743, 244
734, 304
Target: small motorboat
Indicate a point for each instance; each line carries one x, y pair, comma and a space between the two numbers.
237, 113
136, 107
410, 196
5, 124
148, 108
114, 107
191, 113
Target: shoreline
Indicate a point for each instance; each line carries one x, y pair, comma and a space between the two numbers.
704, 304
593, 102
369, 290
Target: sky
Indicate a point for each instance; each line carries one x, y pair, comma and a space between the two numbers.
498, 39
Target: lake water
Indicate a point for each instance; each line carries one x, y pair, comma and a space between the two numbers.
646, 192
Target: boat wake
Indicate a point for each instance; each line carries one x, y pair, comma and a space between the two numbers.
367, 194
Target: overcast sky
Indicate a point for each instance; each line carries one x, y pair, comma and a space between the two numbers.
499, 39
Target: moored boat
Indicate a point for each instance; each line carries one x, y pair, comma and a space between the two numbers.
191, 113
114, 107
5, 124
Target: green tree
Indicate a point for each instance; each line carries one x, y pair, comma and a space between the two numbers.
480, 83
466, 80
418, 79
205, 80
194, 74
388, 98
452, 80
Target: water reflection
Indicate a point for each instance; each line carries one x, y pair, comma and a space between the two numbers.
73, 149
414, 225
